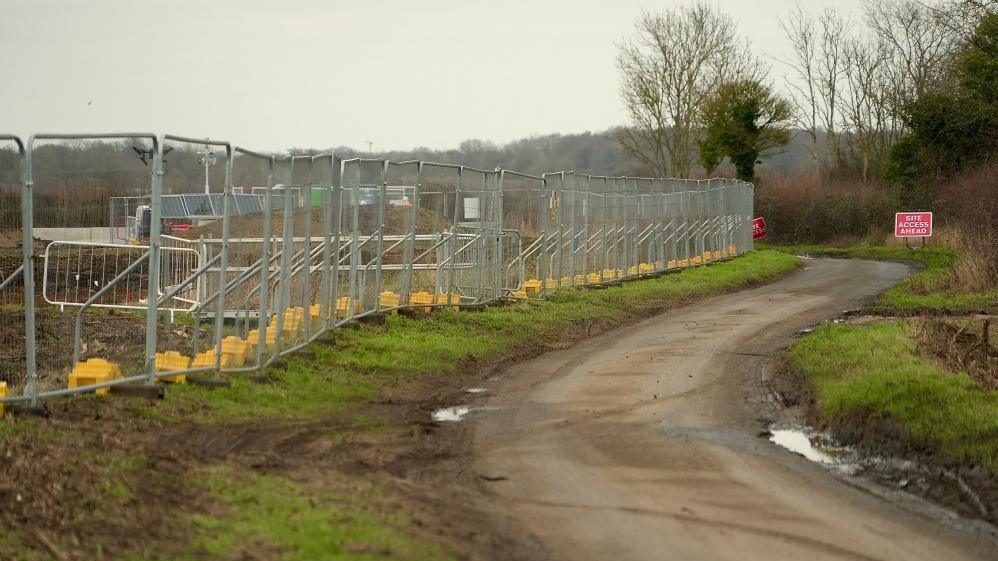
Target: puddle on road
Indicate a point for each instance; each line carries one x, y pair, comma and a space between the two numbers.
451, 414
458, 413
477, 391
817, 448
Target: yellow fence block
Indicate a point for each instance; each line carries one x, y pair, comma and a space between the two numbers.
632, 270
389, 299
450, 298
565, 281
171, 361
269, 337
3, 393
294, 320
645, 268
532, 286
593, 278
717, 255
580, 280
550, 283
422, 298
343, 306
672, 264
520, 294
236, 349
207, 360
315, 313
94, 371
696, 260
732, 249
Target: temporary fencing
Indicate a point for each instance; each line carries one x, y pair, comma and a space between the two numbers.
287, 248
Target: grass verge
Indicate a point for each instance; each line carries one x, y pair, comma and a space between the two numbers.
366, 360
875, 370
925, 291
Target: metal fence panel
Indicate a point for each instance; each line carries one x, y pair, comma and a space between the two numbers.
267, 253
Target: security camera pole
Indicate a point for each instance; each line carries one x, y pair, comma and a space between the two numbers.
207, 160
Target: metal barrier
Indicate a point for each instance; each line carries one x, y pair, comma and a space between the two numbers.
307, 243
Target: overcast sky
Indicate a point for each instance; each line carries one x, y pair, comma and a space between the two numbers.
269, 74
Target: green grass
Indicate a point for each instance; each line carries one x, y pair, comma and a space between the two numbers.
372, 357
924, 291
262, 512
876, 369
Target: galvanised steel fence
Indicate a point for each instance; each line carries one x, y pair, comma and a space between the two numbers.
231, 281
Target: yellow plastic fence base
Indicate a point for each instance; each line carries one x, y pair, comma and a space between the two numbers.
253, 339
3, 393
422, 298
450, 298
520, 294
550, 284
389, 299
565, 281
532, 287
294, 320
593, 278
207, 360
94, 371
236, 349
579, 280
171, 361
732, 249
646, 268
343, 306
672, 264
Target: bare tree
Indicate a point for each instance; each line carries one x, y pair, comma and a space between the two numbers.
920, 38
818, 66
870, 97
677, 60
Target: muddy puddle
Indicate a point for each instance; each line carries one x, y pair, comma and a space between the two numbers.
458, 412
817, 447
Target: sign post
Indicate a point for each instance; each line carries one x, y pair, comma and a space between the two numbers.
913, 225
758, 228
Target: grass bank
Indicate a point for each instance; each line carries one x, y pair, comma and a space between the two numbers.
928, 290
367, 359
305, 467
876, 371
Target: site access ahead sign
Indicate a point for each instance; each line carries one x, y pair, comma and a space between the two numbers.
913, 225
758, 228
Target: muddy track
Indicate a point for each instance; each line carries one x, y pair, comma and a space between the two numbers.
643, 443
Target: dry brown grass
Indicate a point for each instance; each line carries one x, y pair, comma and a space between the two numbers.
962, 346
806, 208
968, 208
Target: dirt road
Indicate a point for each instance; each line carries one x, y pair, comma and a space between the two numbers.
643, 443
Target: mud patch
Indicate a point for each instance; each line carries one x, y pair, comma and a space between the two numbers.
889, 455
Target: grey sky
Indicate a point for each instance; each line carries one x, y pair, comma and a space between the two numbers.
271, 75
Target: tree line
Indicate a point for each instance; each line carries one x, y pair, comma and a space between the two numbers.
904, 95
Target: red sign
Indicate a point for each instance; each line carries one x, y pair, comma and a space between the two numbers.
758, 228
913, 225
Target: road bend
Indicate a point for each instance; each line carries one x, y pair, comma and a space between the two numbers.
644, 444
